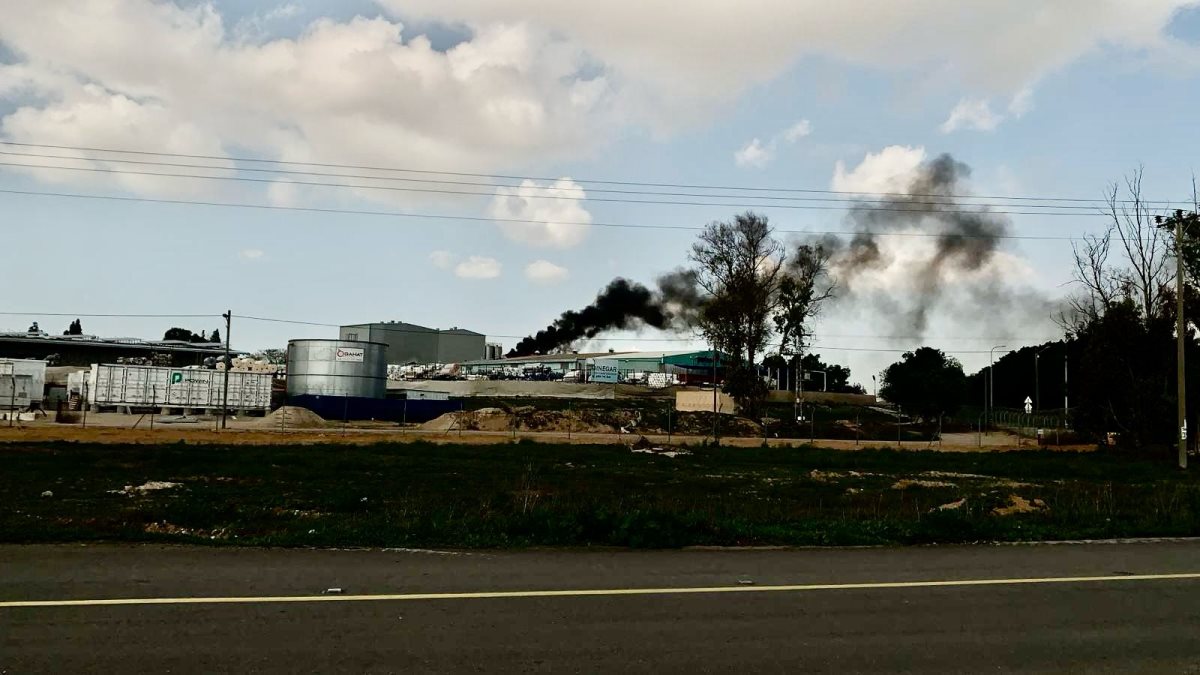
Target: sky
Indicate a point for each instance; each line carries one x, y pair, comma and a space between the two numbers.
1048, 100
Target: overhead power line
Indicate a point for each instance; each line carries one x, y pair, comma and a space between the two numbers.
468, 193
78, 315
465, 174
852, 201
446, 216
320, 324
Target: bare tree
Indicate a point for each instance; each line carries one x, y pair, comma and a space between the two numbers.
1147, 248
1143, 275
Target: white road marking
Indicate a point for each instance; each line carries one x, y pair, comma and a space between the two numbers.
482, 595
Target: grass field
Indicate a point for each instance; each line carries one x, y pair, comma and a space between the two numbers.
529, 494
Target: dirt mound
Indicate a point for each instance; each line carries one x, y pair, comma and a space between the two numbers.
585, 420
528, 418
1018, 504
290, 417
445, 422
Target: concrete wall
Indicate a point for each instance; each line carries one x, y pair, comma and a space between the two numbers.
513, 388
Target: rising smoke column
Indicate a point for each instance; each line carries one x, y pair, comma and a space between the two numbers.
622, 304
966, 239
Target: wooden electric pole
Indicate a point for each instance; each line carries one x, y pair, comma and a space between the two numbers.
1180, 341
228, 315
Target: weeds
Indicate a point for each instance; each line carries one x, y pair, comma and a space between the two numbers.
527, 494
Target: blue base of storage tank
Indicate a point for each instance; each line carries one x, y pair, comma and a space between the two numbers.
338, 408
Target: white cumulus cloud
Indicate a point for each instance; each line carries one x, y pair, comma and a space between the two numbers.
442, 260
177, 77
973, 114
669, 61
531, 82
478, 267
753, 154
977, 114
545, 272
797, 131
251, 254
1021, 103
552, 213
757, 154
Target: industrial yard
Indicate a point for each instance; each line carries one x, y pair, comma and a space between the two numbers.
357, 387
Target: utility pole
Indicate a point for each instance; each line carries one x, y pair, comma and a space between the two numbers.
1037, 382
800, 384
228, 367
714, 360
1066, 396
1180, 340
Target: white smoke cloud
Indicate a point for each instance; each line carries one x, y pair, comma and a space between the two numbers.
545, 272
556, 209
892, 169
478, 267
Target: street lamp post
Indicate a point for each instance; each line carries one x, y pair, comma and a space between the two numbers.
992, 380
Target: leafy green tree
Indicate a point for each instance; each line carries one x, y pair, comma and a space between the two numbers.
925, 382
180, 334
750, 289
272, 356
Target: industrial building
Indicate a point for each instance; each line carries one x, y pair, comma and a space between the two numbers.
410, 343
84, 350
687, 365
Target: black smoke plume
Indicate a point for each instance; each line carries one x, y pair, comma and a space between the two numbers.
967, 237
622, 304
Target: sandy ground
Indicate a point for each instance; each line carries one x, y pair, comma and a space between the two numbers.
119, 428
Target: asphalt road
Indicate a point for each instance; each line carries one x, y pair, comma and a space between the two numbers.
1090, 609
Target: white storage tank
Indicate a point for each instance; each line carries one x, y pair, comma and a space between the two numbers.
337, 368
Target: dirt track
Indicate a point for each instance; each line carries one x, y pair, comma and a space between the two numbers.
46, 431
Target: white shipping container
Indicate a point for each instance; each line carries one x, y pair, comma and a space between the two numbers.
176, 387
30, 379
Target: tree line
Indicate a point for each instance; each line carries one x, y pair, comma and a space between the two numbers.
760, 298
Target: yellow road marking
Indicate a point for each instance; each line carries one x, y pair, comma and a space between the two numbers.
481, 595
